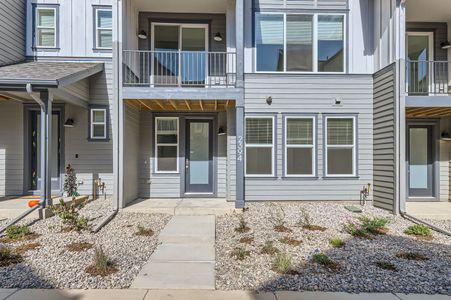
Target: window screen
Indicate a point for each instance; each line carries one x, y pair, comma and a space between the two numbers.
259, 146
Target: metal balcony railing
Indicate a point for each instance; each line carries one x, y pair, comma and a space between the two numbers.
428, 78
179, 68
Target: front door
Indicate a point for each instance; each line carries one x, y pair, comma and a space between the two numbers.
420, 55
421, 161
199, 157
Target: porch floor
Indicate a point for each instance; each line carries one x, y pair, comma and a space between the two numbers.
182, 206
430, 210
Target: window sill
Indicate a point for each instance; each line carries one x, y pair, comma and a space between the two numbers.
98, 140
300, 177
103, 50
165, 173
331, 177
269, 177
55, 49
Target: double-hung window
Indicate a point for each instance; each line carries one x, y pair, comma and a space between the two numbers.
340, 146
45, 27
166, 144
300, 42
103, 28
300, 146
260, 146
98, 126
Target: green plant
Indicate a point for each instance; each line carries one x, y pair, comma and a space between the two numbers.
336, 242
374, 225
142, 231
101, 264
242, 225
17, 232
269, 248
282, 263
420, 230
355, 229
240, 253
70, 216
70, 182
7, 257
411, 256
5, 253
386, 266
325, 261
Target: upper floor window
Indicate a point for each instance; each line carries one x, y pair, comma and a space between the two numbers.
103, 28
45, 27
299, 42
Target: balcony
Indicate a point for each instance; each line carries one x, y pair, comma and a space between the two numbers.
179, 69
428, 78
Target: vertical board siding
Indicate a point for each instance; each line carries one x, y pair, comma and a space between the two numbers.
312, 94
301, 4
384, 178
131, 154
12, 31
231, 158
444, 159
11, 148
221, 159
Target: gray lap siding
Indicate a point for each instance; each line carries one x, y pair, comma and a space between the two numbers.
312, 95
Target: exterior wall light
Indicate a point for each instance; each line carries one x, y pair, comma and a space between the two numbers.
69, 123
142, 35
221, 131
218, 37
269, 100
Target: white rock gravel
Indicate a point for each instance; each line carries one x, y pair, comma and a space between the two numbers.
357, 258
52, 266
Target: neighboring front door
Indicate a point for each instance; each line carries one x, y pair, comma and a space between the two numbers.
420, 55
421, 174
199, 157
35, 151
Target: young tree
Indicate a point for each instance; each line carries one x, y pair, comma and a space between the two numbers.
70, 182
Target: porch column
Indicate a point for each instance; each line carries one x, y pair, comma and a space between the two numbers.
239, 25
46, 140
239, 117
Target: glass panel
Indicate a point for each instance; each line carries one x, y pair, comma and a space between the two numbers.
98, 130
299, 161
105, 38
98, 116
166, 57
46, 17
340, 131
330, 43
167, 131
299, 43
54, 171
199, 156
259, 161
339, 161
418, 52
269, 42
167, 158
418, 166
299, 131
259, 131
193, 63
46, 37
105, 19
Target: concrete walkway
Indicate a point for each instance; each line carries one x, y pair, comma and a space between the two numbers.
185, 258
199, 295
429, 210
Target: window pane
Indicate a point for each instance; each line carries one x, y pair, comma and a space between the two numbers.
167, 139
46, 18
259, 131
269, 42
299, 43
167, 158
299, 161
340, 131
99, 130
105, 19
105, 39
299, 131
98, 116
339, 161
330, 44
167, 131
259, 161
46, 37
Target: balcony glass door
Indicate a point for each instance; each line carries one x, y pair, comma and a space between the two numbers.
420, 55
179, 54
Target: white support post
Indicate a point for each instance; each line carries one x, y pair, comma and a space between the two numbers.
46, 149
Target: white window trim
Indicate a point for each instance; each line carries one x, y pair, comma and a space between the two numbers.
104, 123
272, 146
37, 27
353, 146
165, 144
315, 44
311, 146
97, 28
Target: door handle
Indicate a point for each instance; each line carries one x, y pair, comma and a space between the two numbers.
186, 163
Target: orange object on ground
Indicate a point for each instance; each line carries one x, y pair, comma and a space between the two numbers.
33, 203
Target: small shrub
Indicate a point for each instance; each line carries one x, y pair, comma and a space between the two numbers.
242, 225
78, 246
386, 266
7, 257
355, 229
17, 232
70, 182
411, 256
419, 230
290, 241
142, 231
282, 263
240, 253
70, 216
246, 240
27, 247
325, 261
269, 248
337, 243
277, 218
101, 264
304, 218
374, 225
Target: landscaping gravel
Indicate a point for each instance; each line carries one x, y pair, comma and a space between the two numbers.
53, 266
357, 259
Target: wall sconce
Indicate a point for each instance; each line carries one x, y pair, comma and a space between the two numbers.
445, 136
221, 131
69, 123
338, 101
142, 35
218, 37
445, 45
269, 100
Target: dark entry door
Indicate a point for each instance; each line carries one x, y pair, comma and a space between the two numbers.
199, 157
421, 161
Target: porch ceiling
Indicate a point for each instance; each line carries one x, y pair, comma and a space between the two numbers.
428, 112
182, 6
428, 11
181, 105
